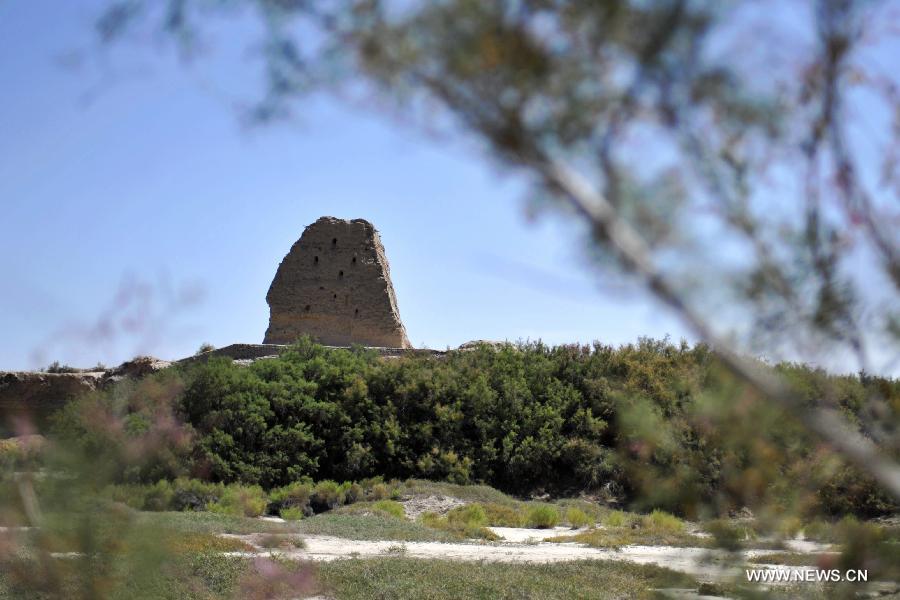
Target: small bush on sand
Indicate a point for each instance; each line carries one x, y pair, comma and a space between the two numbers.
616, 518
390, 507
727, 534
327, 495
241, 501
662, 522
194, 494
577, 518
291, 513
542, 516
377, 489
500, 515
463, 522
292, 496
470, 515
353, 492
159, 496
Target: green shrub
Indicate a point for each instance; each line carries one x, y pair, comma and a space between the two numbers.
193, 494
241, 501
292, 496
500, 515
662, 522
379, 491
326, 495
727, 534
577, 518
394, 509
847, 491
159, 496
463, 525
291, 513
353, 492
542, 516
818, 530
517, 417
616, 518
130, 495
469, 515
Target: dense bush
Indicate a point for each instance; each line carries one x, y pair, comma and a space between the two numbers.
577, 518
241, 501
180, 494
515, 419
542, 516
654, 422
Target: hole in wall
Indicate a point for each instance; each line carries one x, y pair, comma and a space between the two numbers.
315, 260
306, 308
334, 241
353, 261
356, 313
340, 273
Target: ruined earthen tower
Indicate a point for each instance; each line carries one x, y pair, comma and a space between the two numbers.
335, 286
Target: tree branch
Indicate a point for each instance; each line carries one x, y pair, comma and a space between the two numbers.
607, 224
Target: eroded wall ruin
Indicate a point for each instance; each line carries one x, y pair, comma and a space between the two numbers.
335, 286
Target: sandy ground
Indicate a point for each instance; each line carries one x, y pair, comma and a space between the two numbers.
417, 505
525, 546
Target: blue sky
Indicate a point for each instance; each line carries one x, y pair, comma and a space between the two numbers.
132, 173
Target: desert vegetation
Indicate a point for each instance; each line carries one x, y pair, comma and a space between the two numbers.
640, 425
573, 443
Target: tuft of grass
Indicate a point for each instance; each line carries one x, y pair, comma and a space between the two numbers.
577, 518
463, 522
391, 508
469, 515
398, 549
662, 522
729, 535
292, 513
379, 491
621, 529
616, 518
183, 543
542, 516
502, 515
